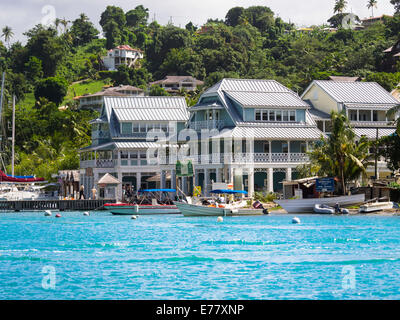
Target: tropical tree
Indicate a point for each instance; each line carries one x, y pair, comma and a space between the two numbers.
7, 34
396, 4
341, 155
371, 5
340, 6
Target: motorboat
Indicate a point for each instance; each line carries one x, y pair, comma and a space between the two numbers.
149, 202
219, 206
375, 207
308, 205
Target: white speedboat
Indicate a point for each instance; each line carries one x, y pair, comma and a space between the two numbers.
308, 205
375, 207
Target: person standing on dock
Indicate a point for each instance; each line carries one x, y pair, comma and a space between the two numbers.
94, 193
81, 192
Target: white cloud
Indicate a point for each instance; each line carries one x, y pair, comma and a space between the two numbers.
22, 15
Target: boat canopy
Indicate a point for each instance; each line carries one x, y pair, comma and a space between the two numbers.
157, 190
6, 178
220, 191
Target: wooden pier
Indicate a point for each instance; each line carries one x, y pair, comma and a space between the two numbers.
61, 205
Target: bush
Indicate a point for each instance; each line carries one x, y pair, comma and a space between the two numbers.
270, 197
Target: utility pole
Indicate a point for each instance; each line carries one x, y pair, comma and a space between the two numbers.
13, 139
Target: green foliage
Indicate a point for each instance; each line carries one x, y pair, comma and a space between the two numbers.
396, 4
389, 81
137, 17
340, 155
34, 70
265, 198
53, 89
390, 147
83, 31
157, 91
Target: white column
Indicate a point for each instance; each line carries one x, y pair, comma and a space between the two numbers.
218, 175
270, 151
270, 178
231, 174
173, 179
288, 174
288, 147
138, 181
163, 179
250, 182
185, 185
206, 181
119, 187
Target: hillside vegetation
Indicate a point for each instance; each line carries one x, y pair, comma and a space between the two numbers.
250, 43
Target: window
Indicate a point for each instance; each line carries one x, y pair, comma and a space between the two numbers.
292, 116
265, 115
375, 115
134, 158
271, 115
320, 125
266, 147
285, 147
278, 116
303, 147
353, 115
258, 115
135, 127
164, 127
126, 128
285, 116
143, 128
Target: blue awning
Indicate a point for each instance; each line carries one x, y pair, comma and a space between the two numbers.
229, 191
157, 190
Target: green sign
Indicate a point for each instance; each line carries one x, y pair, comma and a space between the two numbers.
184, 169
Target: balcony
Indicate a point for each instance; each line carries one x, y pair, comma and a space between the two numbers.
207, 125
239, 158
99, 163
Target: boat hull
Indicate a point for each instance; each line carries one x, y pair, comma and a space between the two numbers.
376, 207
128, 210
308, 205
191, 210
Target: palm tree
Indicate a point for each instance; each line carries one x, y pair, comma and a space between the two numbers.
7, 34
371, 5
340, 6
65, 23
340, 155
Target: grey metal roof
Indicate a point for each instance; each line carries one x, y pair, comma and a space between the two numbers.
364, 106
174, 108
248, 85
319, 115
370, 133
273, 133
149, 114
268, 99
355, 92
136, 145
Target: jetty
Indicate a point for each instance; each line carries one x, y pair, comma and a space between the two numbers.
61, 205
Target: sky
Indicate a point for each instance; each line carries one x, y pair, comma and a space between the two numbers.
22, 15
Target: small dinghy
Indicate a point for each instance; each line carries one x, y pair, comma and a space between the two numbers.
376, 207
323, 209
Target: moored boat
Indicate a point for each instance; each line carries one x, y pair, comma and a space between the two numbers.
375, 207
308, 205
125, 209
151, 203
323, 209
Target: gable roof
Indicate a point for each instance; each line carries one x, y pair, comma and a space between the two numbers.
108, 179
147, 108
354, 92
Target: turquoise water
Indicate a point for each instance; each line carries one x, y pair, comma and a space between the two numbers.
172, 257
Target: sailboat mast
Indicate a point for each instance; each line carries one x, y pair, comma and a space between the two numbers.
13, 139
1, 99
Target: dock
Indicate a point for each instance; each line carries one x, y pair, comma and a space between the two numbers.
61, 205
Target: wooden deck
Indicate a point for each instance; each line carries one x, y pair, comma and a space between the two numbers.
61, 205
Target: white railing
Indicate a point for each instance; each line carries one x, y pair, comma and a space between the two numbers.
99, 163
209, 125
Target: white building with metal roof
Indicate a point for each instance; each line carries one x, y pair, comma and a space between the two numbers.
124, 141
365, 103
258, 133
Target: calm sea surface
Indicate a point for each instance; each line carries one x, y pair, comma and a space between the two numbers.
172, 257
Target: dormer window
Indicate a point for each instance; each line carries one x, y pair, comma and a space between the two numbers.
275, 115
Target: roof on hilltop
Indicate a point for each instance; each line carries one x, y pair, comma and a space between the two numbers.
112, 91
177, 79
125, 47
355, 92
